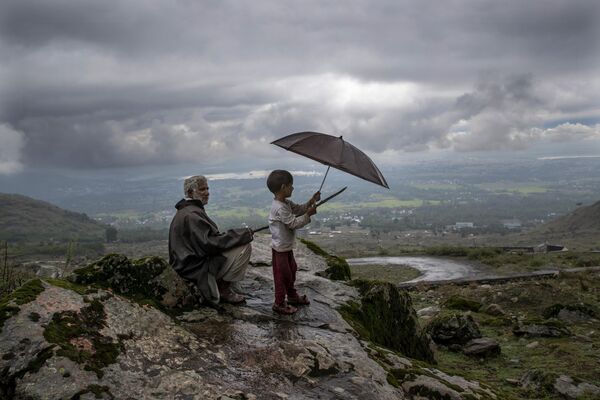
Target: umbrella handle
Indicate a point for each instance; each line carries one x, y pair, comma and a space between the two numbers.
325, 177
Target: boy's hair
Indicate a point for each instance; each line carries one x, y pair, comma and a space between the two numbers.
278, 178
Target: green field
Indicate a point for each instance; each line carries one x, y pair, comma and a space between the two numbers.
524, 189
436, 186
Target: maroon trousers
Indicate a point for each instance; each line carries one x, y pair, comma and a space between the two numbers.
284, 275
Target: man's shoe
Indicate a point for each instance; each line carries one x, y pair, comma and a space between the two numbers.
231, 297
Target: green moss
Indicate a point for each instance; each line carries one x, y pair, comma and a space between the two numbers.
314, 248
496, 321
61, 283
391, 379
553, 310
338, 268
130, 278
35, 317
84, 326
460, 303
23, 295
386, 317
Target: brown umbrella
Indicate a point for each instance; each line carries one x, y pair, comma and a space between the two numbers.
334, 152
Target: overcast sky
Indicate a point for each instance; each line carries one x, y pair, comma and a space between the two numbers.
95, 84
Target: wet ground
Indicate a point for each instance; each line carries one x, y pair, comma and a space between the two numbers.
431, 268
312, 354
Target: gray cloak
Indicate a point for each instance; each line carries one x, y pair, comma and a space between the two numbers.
196, 245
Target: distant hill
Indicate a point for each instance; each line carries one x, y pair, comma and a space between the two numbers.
23, 219
582, 220
579, 229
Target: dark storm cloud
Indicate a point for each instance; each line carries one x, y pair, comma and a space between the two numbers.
92, 84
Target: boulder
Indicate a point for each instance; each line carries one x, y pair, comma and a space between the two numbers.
482, 347
544, 383
493, 309
453, 329
148, 279
570, 389
572, 313
552, 329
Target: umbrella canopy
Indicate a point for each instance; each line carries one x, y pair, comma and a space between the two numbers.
335, 152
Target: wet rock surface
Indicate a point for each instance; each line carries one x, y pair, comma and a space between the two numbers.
109, 346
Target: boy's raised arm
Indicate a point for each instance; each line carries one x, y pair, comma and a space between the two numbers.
293, 221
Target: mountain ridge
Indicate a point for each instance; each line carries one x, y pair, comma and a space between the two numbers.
24, 219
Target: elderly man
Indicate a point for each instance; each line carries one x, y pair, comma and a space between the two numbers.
200, 253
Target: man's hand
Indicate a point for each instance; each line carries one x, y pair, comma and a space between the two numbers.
251, 233
315, 198
312, 210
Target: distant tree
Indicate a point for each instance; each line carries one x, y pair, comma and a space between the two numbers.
111, 234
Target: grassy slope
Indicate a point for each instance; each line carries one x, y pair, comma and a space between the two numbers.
26, 219
575, 356
577, 230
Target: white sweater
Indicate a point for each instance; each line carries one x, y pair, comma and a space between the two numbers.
284, 219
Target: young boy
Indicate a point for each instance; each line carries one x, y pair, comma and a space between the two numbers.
285, 217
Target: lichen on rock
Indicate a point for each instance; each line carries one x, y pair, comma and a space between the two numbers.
25, 294
77, 334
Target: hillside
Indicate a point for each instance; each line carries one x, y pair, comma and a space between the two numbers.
23, 219
582, 220
579, 230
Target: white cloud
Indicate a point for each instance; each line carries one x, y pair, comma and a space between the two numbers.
569, 132
12, 143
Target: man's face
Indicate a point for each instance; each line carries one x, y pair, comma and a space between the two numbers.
201, 192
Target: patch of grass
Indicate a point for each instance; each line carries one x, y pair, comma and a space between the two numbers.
527, 301
388, 273
462, 303
61, 283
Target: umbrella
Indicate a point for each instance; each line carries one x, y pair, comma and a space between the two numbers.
334, 152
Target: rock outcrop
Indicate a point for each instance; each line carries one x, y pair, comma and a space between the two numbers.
124, 329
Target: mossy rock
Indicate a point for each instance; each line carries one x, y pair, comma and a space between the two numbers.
539, 383
23, 295
77, 334
130, 278
462, 303
454, 328
338, 268
583, 308
386, 317
552, 328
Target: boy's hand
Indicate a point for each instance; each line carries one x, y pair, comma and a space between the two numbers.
312, 210
315, 198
